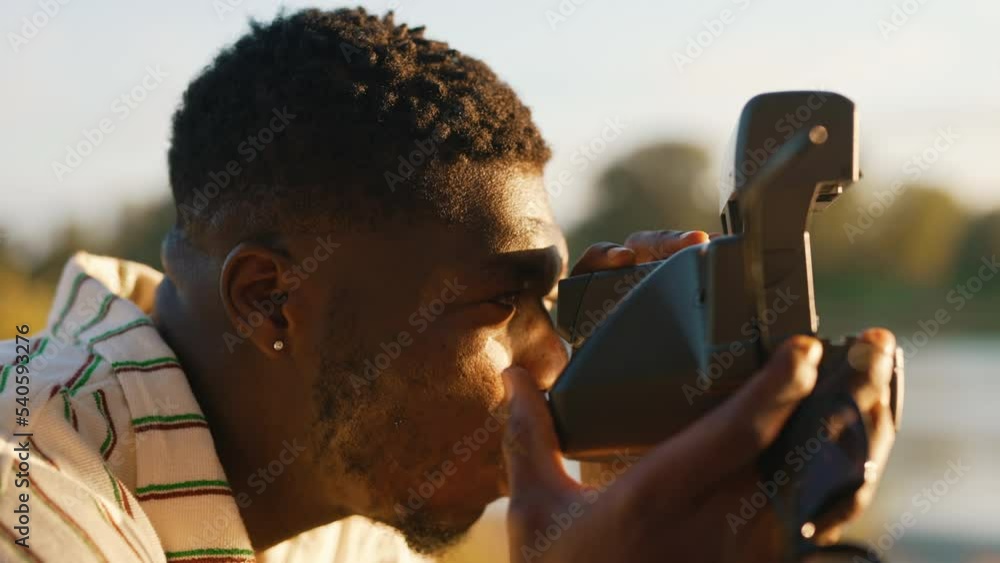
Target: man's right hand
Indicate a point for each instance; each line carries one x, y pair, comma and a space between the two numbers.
673, 504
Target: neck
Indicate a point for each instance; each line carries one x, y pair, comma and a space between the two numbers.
273, 492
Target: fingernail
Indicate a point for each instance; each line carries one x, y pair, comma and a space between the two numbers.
693, 234
880, 338
862, 355
619, 252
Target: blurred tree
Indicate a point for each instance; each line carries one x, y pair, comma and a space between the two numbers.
917, 236
28, 293
663, 186
909, 238
880, 257
981, 241
142, 231
137, 238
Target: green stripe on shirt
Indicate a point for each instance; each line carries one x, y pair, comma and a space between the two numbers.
180, 485
116, 331
102, 311
86, 375
169, 418
73, 294
6, 371
209, 551
144, 363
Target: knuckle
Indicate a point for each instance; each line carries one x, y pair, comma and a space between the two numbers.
638, 238
515, 436
669, 233
601, 247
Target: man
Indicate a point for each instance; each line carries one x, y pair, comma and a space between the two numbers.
354, 299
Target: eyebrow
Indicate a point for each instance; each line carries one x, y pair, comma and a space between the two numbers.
541, 267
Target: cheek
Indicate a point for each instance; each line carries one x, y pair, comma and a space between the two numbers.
481, 368
459, 392
496, 355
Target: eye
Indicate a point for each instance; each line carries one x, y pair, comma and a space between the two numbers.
509, 299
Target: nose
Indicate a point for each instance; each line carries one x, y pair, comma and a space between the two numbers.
542, 352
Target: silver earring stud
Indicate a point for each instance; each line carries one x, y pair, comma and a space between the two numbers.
279, 345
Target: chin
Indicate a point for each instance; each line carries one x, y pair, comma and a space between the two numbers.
442, 520
429, 532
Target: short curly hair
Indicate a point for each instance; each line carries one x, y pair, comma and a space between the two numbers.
332, 112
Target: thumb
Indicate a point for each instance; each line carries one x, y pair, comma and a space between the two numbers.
530, 445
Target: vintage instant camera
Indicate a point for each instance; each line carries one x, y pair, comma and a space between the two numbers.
660, 344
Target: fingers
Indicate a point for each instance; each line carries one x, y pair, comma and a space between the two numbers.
732, 435
603, 256
640, 247
872, 358
530, 446
882, 434
659, 245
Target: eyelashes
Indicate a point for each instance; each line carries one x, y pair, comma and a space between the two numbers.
508, 299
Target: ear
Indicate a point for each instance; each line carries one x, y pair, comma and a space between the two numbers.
253, 290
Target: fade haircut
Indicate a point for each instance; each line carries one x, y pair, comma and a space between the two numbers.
336, 116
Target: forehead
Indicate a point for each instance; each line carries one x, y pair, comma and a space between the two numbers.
504, 210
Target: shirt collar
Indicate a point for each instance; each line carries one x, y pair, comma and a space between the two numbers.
104, 304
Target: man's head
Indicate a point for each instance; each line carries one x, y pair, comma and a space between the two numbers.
374, 200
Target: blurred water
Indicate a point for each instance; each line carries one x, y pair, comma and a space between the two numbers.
951, 414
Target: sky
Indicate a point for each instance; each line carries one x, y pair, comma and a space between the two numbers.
919, 71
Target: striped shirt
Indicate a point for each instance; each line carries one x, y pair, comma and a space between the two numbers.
120, 465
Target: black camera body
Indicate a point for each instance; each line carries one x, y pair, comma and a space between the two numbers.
658, 345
